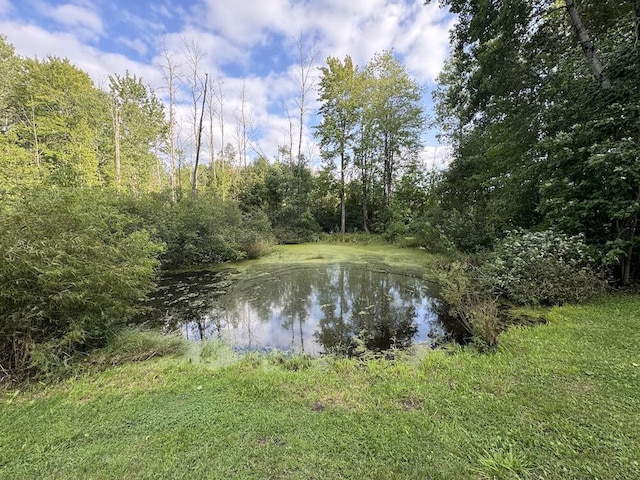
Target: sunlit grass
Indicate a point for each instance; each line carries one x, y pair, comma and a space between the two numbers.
554, 401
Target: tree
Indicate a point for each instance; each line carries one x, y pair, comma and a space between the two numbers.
540, 101
245, 125
194, 183
195, 57
72, 268
305, 84
171, 74
339, 111
57, 113
139, 128
395, 114
373, 119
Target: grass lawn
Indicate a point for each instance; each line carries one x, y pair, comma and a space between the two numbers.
555, 401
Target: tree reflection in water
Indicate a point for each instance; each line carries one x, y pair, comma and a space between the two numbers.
310, 309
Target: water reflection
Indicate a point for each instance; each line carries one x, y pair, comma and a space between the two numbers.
328, 308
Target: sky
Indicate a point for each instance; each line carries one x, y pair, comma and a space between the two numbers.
244, 42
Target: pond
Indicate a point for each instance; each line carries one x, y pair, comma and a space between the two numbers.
312, 309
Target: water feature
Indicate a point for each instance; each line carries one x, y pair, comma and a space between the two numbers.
309, 309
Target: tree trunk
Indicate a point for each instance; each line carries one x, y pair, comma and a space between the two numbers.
343, 210
116, 140
388, 169
587, 45
194, 183
365, 196
636, 14
172, 151
36, 143
212, 149
169, 74
626, 272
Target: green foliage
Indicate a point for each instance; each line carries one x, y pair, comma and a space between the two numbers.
468, 302
73, 268
201, 231
132, 345
282, 193
539, 139
371, 119
138, 130
542, 268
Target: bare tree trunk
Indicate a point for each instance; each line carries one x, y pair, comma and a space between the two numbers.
365, 195
212, 149
36, 142
220, 98
388, 169
306, 84
587, 45
115, 112
194, 57
244, 126
194, 183
286, 109
170, 74
343, 207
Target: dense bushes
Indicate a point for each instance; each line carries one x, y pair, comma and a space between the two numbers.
75, 264
542, 268
73, 268
200, 231
525, 268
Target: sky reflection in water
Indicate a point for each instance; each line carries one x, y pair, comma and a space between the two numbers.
306, 309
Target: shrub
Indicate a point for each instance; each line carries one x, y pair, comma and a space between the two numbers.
542, 268
201, 231
72, 269
467, 301
432, 238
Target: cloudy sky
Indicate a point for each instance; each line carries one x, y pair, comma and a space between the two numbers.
245, 42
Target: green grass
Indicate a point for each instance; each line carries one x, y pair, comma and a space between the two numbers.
375, 255
560, 400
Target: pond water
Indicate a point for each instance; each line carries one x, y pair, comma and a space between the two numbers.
303, 309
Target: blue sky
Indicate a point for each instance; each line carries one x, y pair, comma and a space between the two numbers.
245, 42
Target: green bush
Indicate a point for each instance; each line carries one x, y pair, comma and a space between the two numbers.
467, 301
542, 268
201, 231
72, 269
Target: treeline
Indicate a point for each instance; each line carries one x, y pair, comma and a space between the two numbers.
541, 103
97, 193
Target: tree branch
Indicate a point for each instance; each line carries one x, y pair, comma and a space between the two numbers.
587, 44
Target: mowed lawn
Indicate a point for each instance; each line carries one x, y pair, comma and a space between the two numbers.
560, 400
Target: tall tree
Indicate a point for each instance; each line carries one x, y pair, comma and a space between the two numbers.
171, 75
339, 112
541, 103
139, 127
396, 114
58, 111
194, 57
245, 125
194, 183
306, 83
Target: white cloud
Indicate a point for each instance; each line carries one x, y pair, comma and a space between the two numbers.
226, 32
436, 157
33, 41
246, 22
5, 7
83, 20
74, 15
136, 44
